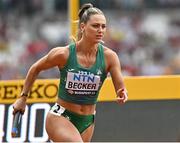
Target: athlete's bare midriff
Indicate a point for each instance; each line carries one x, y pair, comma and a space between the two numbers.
77, 108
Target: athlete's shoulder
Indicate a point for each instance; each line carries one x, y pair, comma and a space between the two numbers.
59, 51
111, 57
59, 54
109, 52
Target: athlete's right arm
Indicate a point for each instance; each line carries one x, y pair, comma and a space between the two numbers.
56, 57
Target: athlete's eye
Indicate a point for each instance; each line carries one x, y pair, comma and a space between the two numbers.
103, 26
96, 25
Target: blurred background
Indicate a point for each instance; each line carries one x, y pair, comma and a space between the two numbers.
145, 34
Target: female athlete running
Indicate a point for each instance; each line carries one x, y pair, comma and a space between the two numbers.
83, 65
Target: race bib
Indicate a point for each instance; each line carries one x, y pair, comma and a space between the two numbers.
82, 82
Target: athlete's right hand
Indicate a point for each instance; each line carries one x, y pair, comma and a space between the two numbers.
19, 105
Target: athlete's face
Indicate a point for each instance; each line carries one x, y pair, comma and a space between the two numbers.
95, 28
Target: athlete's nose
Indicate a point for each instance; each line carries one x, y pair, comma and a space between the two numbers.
100, 29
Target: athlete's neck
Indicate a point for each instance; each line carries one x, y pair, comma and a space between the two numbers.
86, 47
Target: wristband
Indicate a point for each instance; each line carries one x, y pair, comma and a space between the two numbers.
23, 94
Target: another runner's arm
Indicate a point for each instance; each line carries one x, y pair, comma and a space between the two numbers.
56, 57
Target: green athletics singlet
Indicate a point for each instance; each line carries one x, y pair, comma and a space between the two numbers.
81, 85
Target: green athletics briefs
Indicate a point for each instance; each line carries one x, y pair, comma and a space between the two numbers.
81, 122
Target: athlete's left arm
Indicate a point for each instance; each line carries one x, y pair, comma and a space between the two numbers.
114, 68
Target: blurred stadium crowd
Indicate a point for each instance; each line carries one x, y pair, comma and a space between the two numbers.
145, 34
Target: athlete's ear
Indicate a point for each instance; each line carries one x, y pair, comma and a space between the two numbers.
82, 27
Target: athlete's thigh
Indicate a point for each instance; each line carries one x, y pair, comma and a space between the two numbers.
88, 133
60, 129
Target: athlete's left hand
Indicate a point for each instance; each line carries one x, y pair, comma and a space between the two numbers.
122, 96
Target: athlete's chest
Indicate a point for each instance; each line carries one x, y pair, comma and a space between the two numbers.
86, 61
